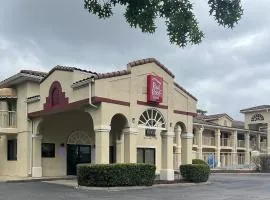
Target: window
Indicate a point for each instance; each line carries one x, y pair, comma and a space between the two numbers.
150, 132
48, 150
146, 155
55, 97
12, 149
257, 117
152, 119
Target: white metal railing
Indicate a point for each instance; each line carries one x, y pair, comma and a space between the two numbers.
225, 142
8, 119
241, 143
195, 141
209, 141
253, 145
263, 145
241, 158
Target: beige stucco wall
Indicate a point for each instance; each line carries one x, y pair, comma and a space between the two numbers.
248, 117
22, 166
129, 88
221, 121
56, 129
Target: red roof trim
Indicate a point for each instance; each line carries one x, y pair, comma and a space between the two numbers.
152, 105
97, 100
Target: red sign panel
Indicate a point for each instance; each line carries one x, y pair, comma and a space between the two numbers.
154, 89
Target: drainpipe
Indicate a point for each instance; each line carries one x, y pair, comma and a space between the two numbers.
92, 91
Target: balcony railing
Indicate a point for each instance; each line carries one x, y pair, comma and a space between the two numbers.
195, 141
209, 141
263, 145
241, 143
225, 142
8, 119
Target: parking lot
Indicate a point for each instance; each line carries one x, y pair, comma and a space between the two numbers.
221, 187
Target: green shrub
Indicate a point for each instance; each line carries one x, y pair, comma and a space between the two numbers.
112, 175
199, 162
195, 172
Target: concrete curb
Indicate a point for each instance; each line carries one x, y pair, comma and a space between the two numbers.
37, 180
118, 189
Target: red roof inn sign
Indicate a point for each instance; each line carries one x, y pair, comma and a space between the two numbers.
154, 89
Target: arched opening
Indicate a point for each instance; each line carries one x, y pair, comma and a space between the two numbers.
152, 119
78, 150
118, 123
68, 139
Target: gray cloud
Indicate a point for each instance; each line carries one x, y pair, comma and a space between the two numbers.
228, 71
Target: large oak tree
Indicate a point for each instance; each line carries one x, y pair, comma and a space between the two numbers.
182, 25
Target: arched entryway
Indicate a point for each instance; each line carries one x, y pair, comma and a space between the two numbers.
78, 150
66, 136
118, 124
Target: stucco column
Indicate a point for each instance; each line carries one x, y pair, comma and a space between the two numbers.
199, 138
268, 141
130, 139
258, 142
217, 142
247, 155
102, 144
234, 147
187, 140
120, 149
167, 171
37, 160
178, 149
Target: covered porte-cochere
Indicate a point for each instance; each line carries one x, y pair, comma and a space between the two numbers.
64, 139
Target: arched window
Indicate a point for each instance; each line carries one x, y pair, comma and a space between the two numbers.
79, 137
152, 119
257, 117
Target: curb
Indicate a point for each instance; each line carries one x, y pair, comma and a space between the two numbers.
37, 180
118, 189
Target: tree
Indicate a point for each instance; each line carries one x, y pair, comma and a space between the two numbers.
201, 112
182, 24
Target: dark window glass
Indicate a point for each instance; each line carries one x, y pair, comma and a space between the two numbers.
12, 149
150, 132
146, 155
55, 97
48, 150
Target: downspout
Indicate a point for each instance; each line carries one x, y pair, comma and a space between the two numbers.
91, 89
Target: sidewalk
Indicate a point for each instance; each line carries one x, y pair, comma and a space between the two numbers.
15, 179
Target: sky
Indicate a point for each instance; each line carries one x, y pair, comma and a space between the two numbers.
227, 72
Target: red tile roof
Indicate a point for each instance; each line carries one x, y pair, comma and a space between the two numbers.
65, 68
150, 60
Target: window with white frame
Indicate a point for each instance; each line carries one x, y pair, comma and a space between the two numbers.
152, 119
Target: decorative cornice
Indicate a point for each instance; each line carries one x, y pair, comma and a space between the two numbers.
187, 136
185, 113
131, 131
102, 128
152, 105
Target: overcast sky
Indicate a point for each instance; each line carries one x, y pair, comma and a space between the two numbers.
228, 71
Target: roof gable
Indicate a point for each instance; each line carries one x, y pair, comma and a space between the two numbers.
150, 60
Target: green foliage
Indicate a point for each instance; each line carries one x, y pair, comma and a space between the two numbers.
112, 175
199, 162
195, 172
182, 25
261, 162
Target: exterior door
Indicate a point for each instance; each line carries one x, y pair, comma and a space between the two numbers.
77, 154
